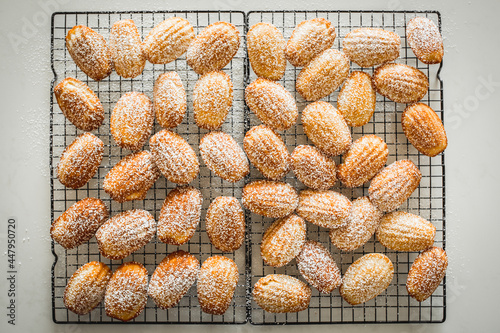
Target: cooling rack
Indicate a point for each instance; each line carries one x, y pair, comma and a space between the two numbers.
428, 201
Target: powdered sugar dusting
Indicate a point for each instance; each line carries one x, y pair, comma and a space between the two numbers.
425, 40
269, 198
313, 168
169, 100
225, 223
266, 51
278, 293
327, 209
426, 273
125, 233
126, 49
283, 240
371, 46
317, 266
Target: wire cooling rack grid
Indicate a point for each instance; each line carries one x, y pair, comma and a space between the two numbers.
211, 186
392, 306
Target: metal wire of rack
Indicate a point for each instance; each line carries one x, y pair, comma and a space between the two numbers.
109, 91
393, 306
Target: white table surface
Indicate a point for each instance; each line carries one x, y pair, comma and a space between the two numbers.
472, 44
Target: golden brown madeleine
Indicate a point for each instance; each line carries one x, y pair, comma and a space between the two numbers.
89, 51
364, 159
127, 291
323, 75
357, 99
169, 100
172, 279
272, 104
180, 215
267, 152
175, 158
132, 120
426, 273
168, 40
402, 231
223, 156
424, 129
79, 104
327, 209
366, 278
326, 128
308, 39
394, 184
313, 168
368, 47
80, 160
317, 266
216, 284
86, 287
213, 48
425, 40
400, 83
362, 222
270, 199
132, 177
126, 49
283, 240
266, 51
79, 223
225, 223
125, 233
279, 293
212, 99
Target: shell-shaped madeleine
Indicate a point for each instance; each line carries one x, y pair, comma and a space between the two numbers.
86, 287
168, 40
126, 49
125, 233
361, 224
277, 293
223, 156
394, 184
326, 128
79, 223
371, 46
132, 177
400, 83
269, 198
225, 223
323, 75
426, 273
175, 158
313, 168
317, 266
180, 215
80, 160
272, 104
79, 104
425, 40
127, 292
132, 120
366, 278
212, 99
267, 152
364, 159
308, 39
424, 129
216, 284
169, 100
213, 48
402, 231
327, 209
266, 51
172, 278
283, 240
89, 51
357, 99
